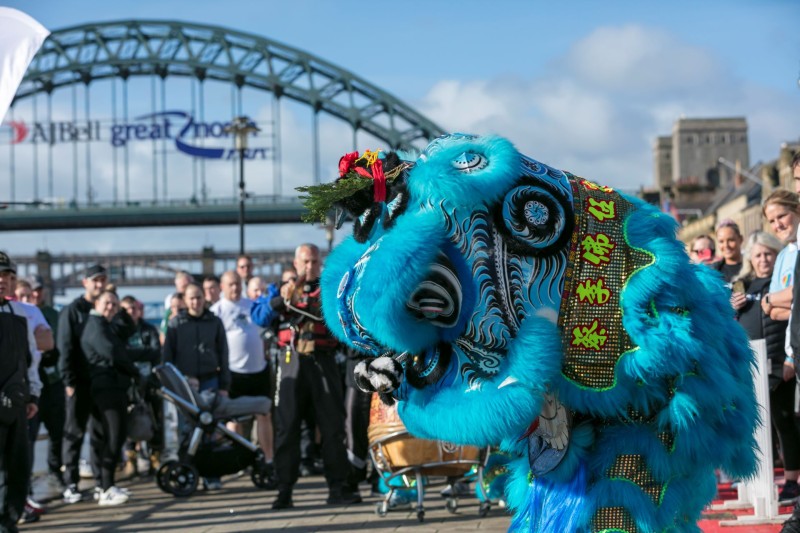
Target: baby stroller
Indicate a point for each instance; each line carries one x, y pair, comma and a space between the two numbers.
206, 413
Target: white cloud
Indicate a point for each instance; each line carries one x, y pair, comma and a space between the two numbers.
597, 109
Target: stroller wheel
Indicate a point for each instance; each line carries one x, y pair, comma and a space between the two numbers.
263, 476
451, 505
161, 478
484, 509
177, 478
382, 508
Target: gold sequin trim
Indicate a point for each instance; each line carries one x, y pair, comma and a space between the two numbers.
634, 469
600, 263
613, 520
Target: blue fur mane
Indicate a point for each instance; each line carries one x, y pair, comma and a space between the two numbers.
681, 403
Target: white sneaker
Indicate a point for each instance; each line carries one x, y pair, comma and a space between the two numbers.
98, 491
113, 496
71, 494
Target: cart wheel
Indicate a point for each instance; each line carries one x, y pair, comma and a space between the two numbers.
484, 509
421, 516
178, 479
382, 508
451, 505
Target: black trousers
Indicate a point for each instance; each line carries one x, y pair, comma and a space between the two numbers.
781, 405
357, 403
14, 470
79, 416
110, 408
52, 413
309, 382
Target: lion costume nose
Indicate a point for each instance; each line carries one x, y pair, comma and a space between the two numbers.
438, 297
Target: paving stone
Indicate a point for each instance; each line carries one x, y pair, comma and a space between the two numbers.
241, 507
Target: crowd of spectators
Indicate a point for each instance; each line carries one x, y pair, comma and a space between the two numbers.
233, 334
760, 270
76, 371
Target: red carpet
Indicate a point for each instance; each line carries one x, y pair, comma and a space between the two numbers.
711, 518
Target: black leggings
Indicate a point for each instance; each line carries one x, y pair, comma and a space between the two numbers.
781, 404
110, 408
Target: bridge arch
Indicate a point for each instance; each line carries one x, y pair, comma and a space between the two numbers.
81, 54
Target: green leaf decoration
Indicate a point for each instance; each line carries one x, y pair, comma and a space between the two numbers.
320, 199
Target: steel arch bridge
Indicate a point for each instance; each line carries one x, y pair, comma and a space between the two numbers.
125, 49
81, 54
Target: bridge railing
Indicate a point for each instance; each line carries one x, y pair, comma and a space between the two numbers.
63, 203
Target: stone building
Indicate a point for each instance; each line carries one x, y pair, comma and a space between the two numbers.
686, 164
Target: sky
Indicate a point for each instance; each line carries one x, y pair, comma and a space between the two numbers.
584, 86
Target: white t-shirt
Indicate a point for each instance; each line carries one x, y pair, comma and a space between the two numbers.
245, 347
20, 309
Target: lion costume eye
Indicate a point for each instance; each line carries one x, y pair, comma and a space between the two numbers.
469, 162
535, 219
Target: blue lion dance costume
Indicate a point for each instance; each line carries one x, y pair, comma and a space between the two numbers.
504, 302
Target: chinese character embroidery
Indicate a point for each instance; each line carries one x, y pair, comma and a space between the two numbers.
590, 337
602, 210
593, 292
597, 248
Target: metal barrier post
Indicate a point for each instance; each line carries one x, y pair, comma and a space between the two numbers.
760, 491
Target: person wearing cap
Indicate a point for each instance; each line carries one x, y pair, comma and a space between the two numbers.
18, 346
75, 374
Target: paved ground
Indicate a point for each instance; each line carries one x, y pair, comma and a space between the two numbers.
241, 507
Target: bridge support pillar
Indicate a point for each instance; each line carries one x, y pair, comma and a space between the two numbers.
208, 260
44, 266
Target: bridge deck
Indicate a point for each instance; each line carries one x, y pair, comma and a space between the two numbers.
276, 211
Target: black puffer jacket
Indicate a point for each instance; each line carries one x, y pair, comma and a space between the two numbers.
760, 326
72, 359
107, 357
198, 347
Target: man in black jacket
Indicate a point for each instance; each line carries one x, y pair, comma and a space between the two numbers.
196, 344
75, 375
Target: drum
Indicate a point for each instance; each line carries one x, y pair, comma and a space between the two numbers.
394, 448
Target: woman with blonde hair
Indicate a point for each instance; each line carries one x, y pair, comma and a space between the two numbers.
782, 211
729, 242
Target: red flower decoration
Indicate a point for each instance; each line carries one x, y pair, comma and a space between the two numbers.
346, 163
